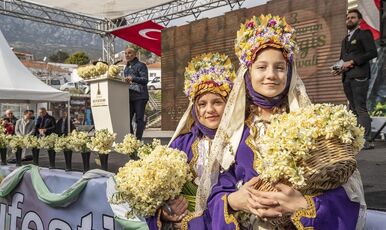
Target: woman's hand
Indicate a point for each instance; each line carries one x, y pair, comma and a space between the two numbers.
244, 200
289, 200
175, 210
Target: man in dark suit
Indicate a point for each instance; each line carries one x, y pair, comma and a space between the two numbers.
136, 74
358, 48
62, 125
45, 124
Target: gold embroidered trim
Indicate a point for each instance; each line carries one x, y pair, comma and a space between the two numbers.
159, 222
310, 212
189, 217
193, 161
229, 218
249, 140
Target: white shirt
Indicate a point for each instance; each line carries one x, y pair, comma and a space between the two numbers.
350, 33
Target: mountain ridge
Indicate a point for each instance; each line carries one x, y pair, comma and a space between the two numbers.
43, 40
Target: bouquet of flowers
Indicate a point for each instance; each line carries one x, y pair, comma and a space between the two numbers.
102, 142
129, 145
63, 143
148, 183
312, 148
16, 142
79, 141
48, 142
31, 141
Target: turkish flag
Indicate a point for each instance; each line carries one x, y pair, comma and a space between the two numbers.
146, 35
371, 16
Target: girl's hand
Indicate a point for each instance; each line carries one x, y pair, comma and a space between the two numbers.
244, 200
175, 210
289, 201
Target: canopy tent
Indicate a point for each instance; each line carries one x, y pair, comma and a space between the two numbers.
101, 9
19, 84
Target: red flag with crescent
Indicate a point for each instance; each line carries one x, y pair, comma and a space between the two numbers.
371, 16
146, 35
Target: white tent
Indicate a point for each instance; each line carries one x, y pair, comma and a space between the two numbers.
18, 84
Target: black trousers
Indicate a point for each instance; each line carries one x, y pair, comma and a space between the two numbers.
356, 93
137, 107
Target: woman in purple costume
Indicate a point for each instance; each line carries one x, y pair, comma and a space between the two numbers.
208, 82
267, 83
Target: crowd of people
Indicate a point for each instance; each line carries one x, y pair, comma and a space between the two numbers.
42, 125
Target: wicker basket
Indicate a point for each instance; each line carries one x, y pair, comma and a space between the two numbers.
330, 165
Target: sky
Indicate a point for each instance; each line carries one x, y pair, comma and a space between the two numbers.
215, 12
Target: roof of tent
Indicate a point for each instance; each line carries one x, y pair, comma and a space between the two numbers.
19, 84
101, 9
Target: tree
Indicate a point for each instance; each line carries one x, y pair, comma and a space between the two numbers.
59, 57
79, 58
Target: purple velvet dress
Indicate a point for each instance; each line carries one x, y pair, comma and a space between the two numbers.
330, 210
188, 144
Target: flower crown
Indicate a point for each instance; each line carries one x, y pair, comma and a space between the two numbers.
210, 72
258, 33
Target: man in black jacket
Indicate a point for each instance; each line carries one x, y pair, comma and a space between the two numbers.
45, 124
136, 74
358, 48
62, 125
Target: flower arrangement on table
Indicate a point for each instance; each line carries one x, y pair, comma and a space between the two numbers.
102, 142
48, 142
148, 183
79, 141
99, 70
312, 148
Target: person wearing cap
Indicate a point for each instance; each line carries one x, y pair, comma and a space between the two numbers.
267, 83
208, 82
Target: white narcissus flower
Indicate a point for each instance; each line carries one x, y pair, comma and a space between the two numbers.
31, 141
48, 142
3, 139
102, 142
129, 145
63, 143
79, 141
16, 142
292, 136
148, 183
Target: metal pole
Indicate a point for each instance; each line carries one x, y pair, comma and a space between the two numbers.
68, 116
